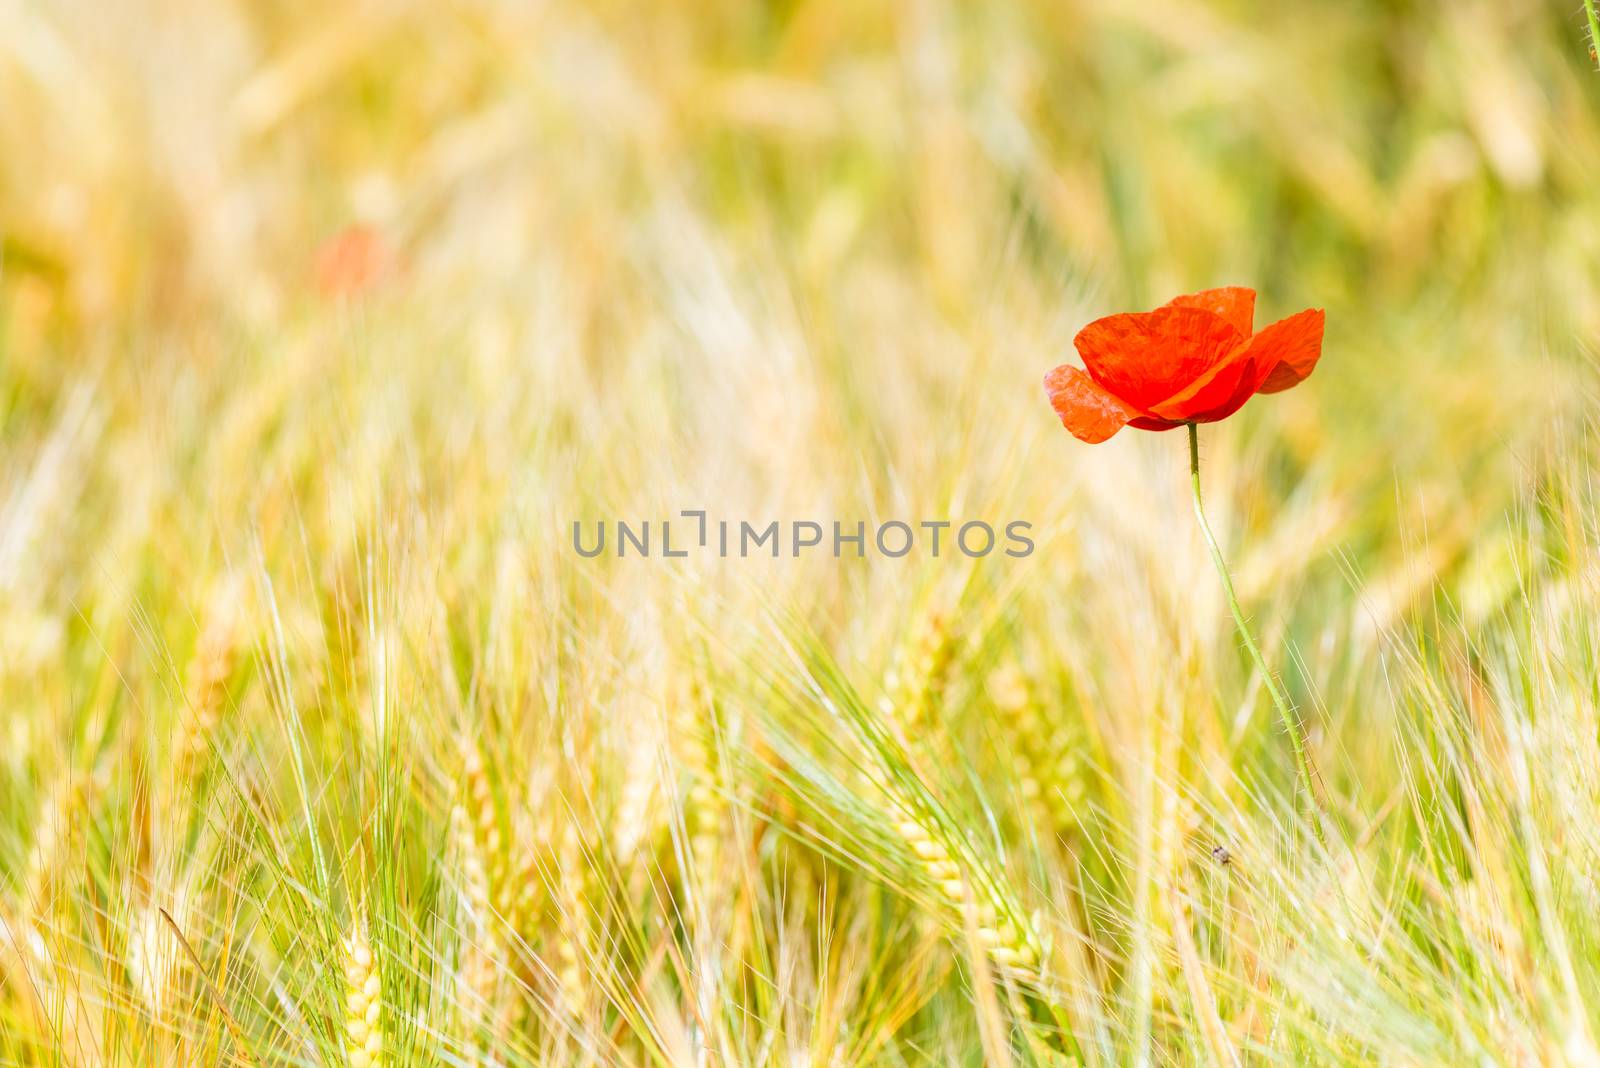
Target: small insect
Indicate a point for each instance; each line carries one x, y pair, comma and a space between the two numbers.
1221, 855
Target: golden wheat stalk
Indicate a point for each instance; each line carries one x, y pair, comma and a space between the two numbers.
476, 974
206, 680
705, 807
915, 681
1048, 768
968, 892
572, 920
59, 835
509, 870
156, 960
363, 1020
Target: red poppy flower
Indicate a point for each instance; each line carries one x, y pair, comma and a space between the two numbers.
1192, 360
352, 261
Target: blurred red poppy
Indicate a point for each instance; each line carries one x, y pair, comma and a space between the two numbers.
352, 261
1192, 360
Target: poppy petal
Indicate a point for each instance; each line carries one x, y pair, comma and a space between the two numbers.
1295, 346
1276, 352
1236, 304
1086, 409
1213, 389
1146, 357
1145, 422
1255, 371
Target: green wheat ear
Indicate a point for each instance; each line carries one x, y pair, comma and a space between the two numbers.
1045, 749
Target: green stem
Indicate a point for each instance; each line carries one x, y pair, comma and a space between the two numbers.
1291, 723
1594, 28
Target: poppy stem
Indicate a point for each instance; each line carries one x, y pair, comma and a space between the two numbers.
1286, 712
1594, 30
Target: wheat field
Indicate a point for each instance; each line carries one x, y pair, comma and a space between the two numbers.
322, 325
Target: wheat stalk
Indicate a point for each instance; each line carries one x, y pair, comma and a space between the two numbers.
206, 680
363, 1021
156, 958
477, 974
965, 889
1048, 770
571, 934
916, 679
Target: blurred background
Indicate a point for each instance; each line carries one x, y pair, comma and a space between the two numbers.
777, 222
326, 321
